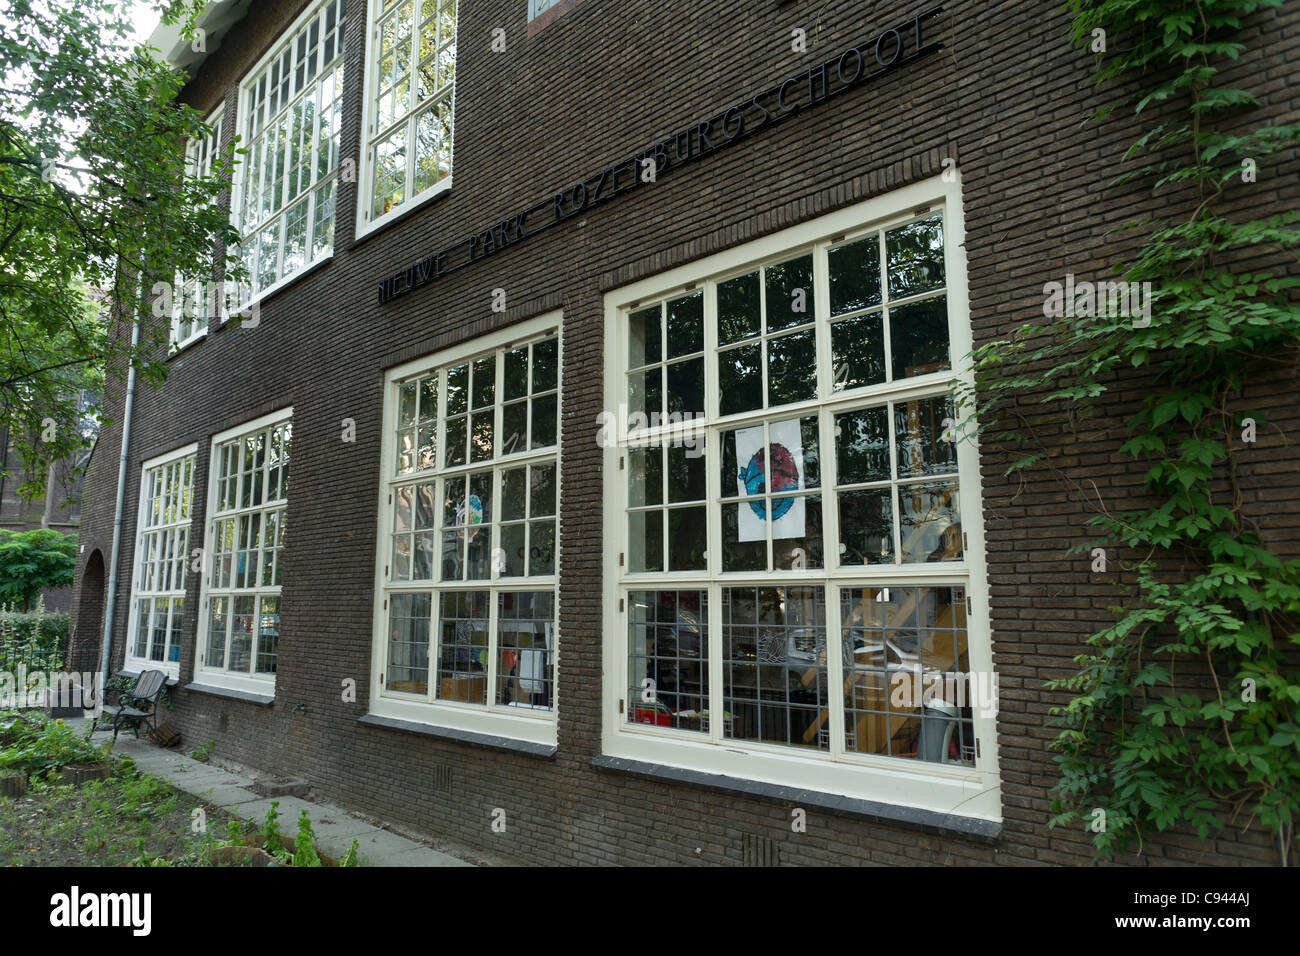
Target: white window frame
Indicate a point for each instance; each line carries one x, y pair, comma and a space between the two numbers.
285, 40
369, 135
252, 683
534, 726
199, 157
940, 787
132, 662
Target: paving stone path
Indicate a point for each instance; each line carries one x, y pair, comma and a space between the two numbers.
335, 829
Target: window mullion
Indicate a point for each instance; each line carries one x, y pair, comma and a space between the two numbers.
886, 340
717, 693
895, 490
835, 689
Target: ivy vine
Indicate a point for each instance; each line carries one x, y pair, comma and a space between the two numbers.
1185, 711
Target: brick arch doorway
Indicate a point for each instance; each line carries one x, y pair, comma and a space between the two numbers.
84, 652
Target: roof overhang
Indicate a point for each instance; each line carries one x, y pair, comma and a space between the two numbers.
216, 20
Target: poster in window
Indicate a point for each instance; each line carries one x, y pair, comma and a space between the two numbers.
781, 470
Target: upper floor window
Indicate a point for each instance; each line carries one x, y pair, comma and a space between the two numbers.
161, 555
189, 312
290, 112
410, 74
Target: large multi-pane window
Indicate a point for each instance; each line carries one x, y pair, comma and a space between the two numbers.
290, 117
161, 556
190, 301
411, 70
789, 508
248, 496
468, 558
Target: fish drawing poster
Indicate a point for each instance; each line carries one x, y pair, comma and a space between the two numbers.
780, 469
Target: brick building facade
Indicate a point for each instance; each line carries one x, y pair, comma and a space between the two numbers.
825, 196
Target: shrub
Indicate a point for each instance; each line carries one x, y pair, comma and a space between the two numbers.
36, 639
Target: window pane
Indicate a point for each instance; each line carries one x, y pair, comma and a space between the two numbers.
457, 439
687, 539
541, 547
408, 644
855, 275
525, 625
241, 636
458, 390
668, 669
740, 379
686, 325
433, 145
795, 551
919, 337
744, 552
789, 293
546, 365
685, 474
926, 445
268, 635
915, 257
514, 499
645, 391
792, 368
515, 373
218, 622
862, 446
645, 546
905, 665
481, 446
463, 646
645, 476
738, 309
389, 161
866, 526
644, 339
544, 421
774, 655
513, 554
686, 387
542, 496
930, 522
858, 352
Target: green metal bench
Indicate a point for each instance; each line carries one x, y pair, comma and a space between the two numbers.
135, 706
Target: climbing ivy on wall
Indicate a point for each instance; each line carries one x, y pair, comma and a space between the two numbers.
1185, 711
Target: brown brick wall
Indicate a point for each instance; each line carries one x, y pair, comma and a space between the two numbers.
1007, 97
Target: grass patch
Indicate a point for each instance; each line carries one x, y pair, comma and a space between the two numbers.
130, 818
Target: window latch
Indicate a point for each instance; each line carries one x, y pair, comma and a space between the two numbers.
620, 705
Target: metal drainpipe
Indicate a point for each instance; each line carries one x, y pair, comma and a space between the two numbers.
111, 597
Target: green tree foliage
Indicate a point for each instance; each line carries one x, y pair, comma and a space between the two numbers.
95, 208
1186, 710
31, 561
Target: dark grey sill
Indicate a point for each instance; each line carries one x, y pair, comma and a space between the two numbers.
488, 741
171, 681
907, 818
262, 700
